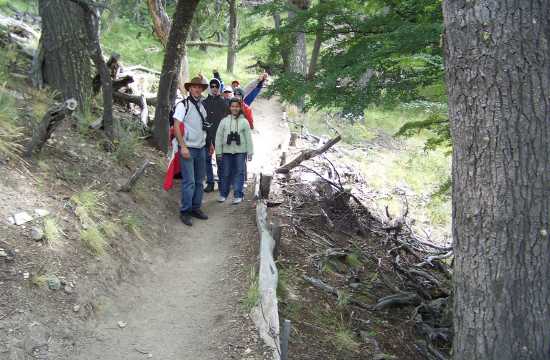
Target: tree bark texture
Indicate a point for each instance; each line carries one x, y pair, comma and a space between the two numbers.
298, 54
498, 79
175, 48
94, 48
233, 36
66, 63
284, 50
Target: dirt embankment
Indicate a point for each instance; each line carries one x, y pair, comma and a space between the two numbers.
161, 290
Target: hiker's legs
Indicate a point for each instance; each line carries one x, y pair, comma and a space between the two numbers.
199, 164
239, 174
187, 183
220, 172
209, 171
227, 161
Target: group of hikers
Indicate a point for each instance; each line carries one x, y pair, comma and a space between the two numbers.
218, 125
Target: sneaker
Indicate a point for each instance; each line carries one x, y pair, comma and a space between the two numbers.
186, 218
222, 199
237, 200
199, 214
209, 188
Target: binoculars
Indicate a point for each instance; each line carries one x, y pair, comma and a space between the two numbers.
234, 136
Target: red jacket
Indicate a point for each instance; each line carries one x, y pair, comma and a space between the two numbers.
247, 111
174, 170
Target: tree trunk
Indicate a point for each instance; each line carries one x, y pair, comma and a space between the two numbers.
316, 47
298, 52
498, 79
66, 62
94, 48
175, 48
233, 36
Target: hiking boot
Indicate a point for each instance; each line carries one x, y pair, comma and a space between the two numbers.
209, 188
222, 199
237, 201
186, 218
199, 214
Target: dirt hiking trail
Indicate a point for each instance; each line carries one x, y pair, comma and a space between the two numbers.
183, 308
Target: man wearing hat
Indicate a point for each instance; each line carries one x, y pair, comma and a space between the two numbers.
192, 147
216, 110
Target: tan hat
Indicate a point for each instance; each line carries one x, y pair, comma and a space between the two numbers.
195, 81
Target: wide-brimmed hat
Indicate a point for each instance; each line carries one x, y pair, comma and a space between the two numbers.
227, 89
195, 81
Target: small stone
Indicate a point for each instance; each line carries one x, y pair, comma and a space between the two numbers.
26, 275
54, 283
68, 289
122, 324
149, 356
247, 351
11, 220
22, 218
3, 253
76, 308
37, 234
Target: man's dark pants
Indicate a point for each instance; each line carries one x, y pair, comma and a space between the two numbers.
192, 178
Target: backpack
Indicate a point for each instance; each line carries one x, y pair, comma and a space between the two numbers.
173, 110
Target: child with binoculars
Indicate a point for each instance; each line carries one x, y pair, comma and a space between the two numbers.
233, 147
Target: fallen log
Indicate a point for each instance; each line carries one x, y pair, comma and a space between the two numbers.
265, 185
144, 116
133, 99
135, 177
205, 43
143, 69
319, 284
400, 299
306, 155
51, 120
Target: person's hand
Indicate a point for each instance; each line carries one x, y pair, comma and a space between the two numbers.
249, 157
211, 150
185, 154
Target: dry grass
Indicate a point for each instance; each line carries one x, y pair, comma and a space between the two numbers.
93, 239
52, 233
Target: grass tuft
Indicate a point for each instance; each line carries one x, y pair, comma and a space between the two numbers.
94, 240
39, 280
89, 205
126, 148
252, 297
344, 340
52, 233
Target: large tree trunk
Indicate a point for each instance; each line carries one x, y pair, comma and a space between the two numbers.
66, 61
298, 52
233, 36
175, 49
284, 49
498, 78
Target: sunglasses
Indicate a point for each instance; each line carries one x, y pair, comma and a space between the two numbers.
214, 86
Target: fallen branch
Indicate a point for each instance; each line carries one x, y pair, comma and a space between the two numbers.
51, 120
133, 99
397, 300
143, 69
319, 284
135, 176
205, 43
306, 155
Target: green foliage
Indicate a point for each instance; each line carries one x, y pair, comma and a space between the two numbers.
252, 297
52, 233
10, 133
344, 340
377, 52
89, 206
436, 124
126, 148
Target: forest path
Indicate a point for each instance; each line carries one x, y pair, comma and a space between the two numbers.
182, 309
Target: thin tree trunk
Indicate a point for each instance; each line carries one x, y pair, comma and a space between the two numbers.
66, 60
233, 36
92, 26
315, 55
498, 80
298, 53
175, 49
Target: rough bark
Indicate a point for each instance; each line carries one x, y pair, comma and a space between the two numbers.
284, 49
92, 28
498, 79
232, 41
298, 52
66, 66
175, 48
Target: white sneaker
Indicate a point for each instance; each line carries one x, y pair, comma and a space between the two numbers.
237, 201
221, 199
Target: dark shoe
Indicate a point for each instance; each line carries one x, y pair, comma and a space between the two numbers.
209, 188
186, 218
199, 214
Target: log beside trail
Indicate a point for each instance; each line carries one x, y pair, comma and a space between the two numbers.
51, 120
135, 177
306, 155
